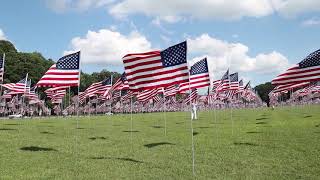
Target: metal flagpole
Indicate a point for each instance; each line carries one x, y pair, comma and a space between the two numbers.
191, 126
3, 59
164, 111
79, 89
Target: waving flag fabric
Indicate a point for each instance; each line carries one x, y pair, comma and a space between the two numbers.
64, 73
192, 96
199, 76
288, 87
20, 87
234, 81
147, 94
171, 90
98, 88
157, 69
9, 86
224, 82
308, 70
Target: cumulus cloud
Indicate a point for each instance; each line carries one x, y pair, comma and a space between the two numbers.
2, 35
223, 55
107, 46
291, 8
82, 5
172, 11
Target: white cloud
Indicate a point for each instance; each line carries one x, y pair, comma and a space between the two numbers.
311, 22
223, 55
80, 5
291, 8
2, 35
108, 46
172, 11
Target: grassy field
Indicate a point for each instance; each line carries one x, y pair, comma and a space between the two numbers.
253, 144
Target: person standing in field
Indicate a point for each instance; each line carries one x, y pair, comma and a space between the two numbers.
194, 111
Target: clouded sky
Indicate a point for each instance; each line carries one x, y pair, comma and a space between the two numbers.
257, 38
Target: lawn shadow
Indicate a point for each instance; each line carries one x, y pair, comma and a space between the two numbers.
203, 127
130, 131
152, 145
261, 123
117, 158
180, 122
46, 132
12, 124
318, 125
94, 138
7, 129
254, 132
195, 133
258, 119
157, 127
307, 116
36, 148
244, 144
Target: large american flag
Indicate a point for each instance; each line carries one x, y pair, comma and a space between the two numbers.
157, 69
2, 59
64, 73
199, 76
21, 87
288, 87
308, 70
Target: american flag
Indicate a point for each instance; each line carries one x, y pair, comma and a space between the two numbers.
55, 91
234, 82
308, 70
248, 86
126, 95
64, 73
122, 83
98, 88
216, 83
147, 95
9, 86
21, 87
2, 60
171, 90
192, 96
241, 87
116, 94
158, 99
224, 84
155, 69
31, 95
199, 76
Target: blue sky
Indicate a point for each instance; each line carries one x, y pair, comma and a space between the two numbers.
257, 38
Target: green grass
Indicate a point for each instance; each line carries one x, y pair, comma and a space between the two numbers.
255, 144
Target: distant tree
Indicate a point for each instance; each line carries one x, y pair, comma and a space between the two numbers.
7, 47
264, 90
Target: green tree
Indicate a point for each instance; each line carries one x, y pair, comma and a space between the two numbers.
264, 90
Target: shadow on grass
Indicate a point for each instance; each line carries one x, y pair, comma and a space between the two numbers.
117, 158
130, 131
261, 123
195, 133
7, 129
157, 127
244, 144
46, 132
152, 145
253, 132
12, 124
318, 125
258, 119
203, 127
180, 122
36, 148
94, 138
307, 116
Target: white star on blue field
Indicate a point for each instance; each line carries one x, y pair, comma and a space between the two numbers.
259, 39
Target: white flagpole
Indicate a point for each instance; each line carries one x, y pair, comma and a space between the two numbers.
3, 59
79, 89
164, 111
191, 126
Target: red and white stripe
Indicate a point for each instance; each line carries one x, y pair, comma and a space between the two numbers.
145, 71
147, 94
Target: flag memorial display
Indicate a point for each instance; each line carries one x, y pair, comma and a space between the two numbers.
150, 101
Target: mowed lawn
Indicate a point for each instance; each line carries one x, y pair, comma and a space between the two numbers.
241, 144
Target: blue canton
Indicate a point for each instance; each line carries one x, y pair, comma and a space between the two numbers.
225, 76
312, 60
174, 55
234, 77
107, 81
199, 67
69, 62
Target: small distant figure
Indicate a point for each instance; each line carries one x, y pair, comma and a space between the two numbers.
194, 111
272, 107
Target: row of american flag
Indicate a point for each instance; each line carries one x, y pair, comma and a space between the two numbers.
155, 75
